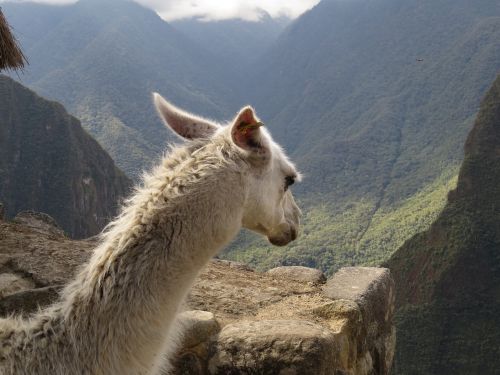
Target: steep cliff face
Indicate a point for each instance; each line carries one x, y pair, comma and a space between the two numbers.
449, 276
49, 163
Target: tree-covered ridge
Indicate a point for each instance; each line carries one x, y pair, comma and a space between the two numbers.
329, 235
103, 59
48, 163
374, 100
449, 276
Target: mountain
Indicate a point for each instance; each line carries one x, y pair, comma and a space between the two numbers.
235, 42
448, 277
49, 163
102, 60
373, 100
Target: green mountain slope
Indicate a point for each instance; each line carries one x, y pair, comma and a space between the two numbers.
102, 60
373, 99
235, 42
48, 163
449, 276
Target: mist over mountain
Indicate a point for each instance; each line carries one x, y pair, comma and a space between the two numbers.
48, 163
237, 43
449, 276
373, 99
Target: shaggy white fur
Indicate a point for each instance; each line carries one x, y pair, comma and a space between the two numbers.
118, 315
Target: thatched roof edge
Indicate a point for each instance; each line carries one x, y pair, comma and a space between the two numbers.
11, 56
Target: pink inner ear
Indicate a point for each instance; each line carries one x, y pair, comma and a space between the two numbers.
245, 131
247, 116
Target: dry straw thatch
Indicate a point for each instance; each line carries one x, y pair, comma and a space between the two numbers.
11, 56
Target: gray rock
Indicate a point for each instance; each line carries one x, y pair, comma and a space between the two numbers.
199, 327
192, 357
353, 283
28, 301
39, 221
298, 273
187, 363
370, 287
235, 265
291, 347
11, 283
37, 252
340, 309
373, 290
2, 212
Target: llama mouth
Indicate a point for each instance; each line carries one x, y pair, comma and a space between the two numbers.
279, 241
285, 238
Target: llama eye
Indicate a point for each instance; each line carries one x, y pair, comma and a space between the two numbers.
289, 181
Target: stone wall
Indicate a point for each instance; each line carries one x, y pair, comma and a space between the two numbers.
290, 320
347, 331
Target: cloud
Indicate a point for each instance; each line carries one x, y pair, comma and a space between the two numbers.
210, 10
51, 2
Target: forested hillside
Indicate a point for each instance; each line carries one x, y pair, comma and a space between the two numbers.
373, 99
234, 42
103, 59
48, 163
449, 276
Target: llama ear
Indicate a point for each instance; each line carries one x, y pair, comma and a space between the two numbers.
246, 132
183, 123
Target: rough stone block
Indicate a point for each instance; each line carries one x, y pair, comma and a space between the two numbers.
199, 327
39, 221
373, 290
370, 287
291, 347
298, 273
235, 265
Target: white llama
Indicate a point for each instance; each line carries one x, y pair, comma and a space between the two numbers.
118, 316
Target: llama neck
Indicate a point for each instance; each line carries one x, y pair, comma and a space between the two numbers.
124, 302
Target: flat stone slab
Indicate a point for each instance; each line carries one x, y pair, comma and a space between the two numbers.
372, 288
355, 283
298, 273
287, 347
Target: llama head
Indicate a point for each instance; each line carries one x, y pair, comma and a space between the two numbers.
269, 208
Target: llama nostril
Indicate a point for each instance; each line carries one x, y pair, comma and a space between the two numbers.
293, 233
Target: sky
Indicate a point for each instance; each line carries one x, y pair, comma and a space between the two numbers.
214, 10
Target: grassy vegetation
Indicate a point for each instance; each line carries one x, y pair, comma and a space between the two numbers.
332, 238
